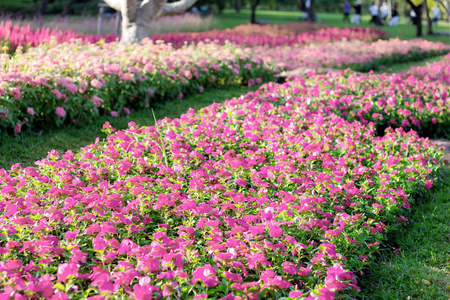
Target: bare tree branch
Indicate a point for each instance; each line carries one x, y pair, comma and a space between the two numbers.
176, 7
150, 9
116, 4
447, 9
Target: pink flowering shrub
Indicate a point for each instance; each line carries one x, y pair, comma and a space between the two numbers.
273, 35
438, 70
357, 55
48, 86
386, 100
25, 36
258, 198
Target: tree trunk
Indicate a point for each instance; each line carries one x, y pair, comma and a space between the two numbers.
312, 17
429, 21
254, 4
238, 5
137, 19
221, 4
67, 7
418, 11
43, 7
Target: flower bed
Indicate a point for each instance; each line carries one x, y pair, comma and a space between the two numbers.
71, 82
261, 197
386, 100
436, 71
14, 36
358, 55
255, 35
25, 36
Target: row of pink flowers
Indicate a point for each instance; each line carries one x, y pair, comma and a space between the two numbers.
436, 71
362, 56
71, 81
259, 196
13, 35
386, 100
267, 36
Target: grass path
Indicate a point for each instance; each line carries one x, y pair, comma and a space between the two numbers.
30, 146
400, 68
418, 266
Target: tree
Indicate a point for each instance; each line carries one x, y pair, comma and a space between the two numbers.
429, 21
136, 19
253, 6
417, 6
312, 17
238, 5
43, 7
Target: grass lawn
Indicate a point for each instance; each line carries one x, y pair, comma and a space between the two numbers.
419, 265
30, 146
404, 30
400, 68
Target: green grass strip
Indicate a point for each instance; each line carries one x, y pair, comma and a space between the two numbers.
418, 264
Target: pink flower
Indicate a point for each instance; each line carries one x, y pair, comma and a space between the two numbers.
57, 93
207, 275
97, 101
275, 231
126, 111
241, 182
232, 277
304, 271
71, 234
16, 93
289, 268
96, 83
114, 113
433, 120
60, 296
66, 270
148, 67
30, 111
201, 89
60, 112
72, 88
251, 82
18, 128
180, 96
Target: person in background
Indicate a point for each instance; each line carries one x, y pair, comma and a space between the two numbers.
373, 10
436, 13
395, 17
346, 11
384, 11
356, 18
